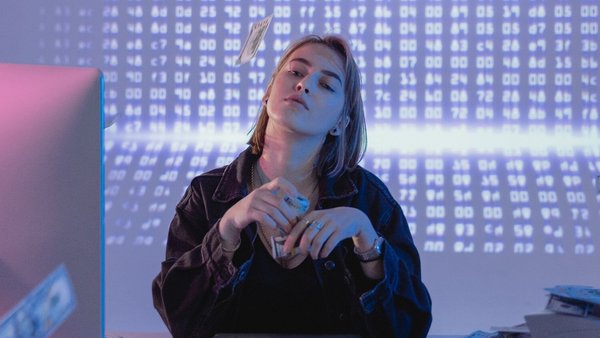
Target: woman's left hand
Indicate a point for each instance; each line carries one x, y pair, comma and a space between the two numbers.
321, 230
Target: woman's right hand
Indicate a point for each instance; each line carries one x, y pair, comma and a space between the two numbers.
265, 205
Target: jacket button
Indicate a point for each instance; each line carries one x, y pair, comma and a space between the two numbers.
329, 265
342, 316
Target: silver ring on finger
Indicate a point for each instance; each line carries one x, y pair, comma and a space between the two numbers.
319, 226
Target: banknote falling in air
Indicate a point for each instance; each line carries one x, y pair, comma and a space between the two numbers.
253, 40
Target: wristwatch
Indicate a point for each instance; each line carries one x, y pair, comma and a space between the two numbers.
372, 254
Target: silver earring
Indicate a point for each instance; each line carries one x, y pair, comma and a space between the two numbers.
334, 132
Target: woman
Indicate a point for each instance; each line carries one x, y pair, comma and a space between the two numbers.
349, 264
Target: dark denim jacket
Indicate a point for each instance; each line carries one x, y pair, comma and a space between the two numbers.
196, 291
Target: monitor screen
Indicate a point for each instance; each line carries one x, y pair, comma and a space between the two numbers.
50, 186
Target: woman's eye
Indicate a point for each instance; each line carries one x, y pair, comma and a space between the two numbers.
326, 86
295, 73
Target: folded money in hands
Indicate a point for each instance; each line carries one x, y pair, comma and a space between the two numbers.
301, 204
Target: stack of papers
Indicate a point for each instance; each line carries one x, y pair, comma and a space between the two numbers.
572, 311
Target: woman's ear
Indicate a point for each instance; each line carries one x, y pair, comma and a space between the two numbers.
340, 125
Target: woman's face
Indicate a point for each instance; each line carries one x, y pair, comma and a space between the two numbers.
307, 95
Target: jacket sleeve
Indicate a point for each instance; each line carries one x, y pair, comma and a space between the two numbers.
195, 272
399, 305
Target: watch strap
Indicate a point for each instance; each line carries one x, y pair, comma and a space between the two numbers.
373, 254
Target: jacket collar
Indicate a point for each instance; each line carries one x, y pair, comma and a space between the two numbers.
235, 180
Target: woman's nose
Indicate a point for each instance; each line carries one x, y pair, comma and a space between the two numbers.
302, 86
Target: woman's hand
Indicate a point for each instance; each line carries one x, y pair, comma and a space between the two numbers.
266, 205
321, 230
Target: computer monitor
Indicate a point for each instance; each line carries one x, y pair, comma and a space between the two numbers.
51, 186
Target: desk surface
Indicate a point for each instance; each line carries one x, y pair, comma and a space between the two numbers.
121, 334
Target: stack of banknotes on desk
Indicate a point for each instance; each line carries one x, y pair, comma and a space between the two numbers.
574, 300
571, 311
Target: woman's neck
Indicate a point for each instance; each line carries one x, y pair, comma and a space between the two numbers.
294, 161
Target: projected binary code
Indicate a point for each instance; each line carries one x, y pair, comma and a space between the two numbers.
482, 115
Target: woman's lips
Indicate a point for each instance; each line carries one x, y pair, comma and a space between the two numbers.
297, 99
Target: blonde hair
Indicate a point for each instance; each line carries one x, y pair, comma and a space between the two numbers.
338, 153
